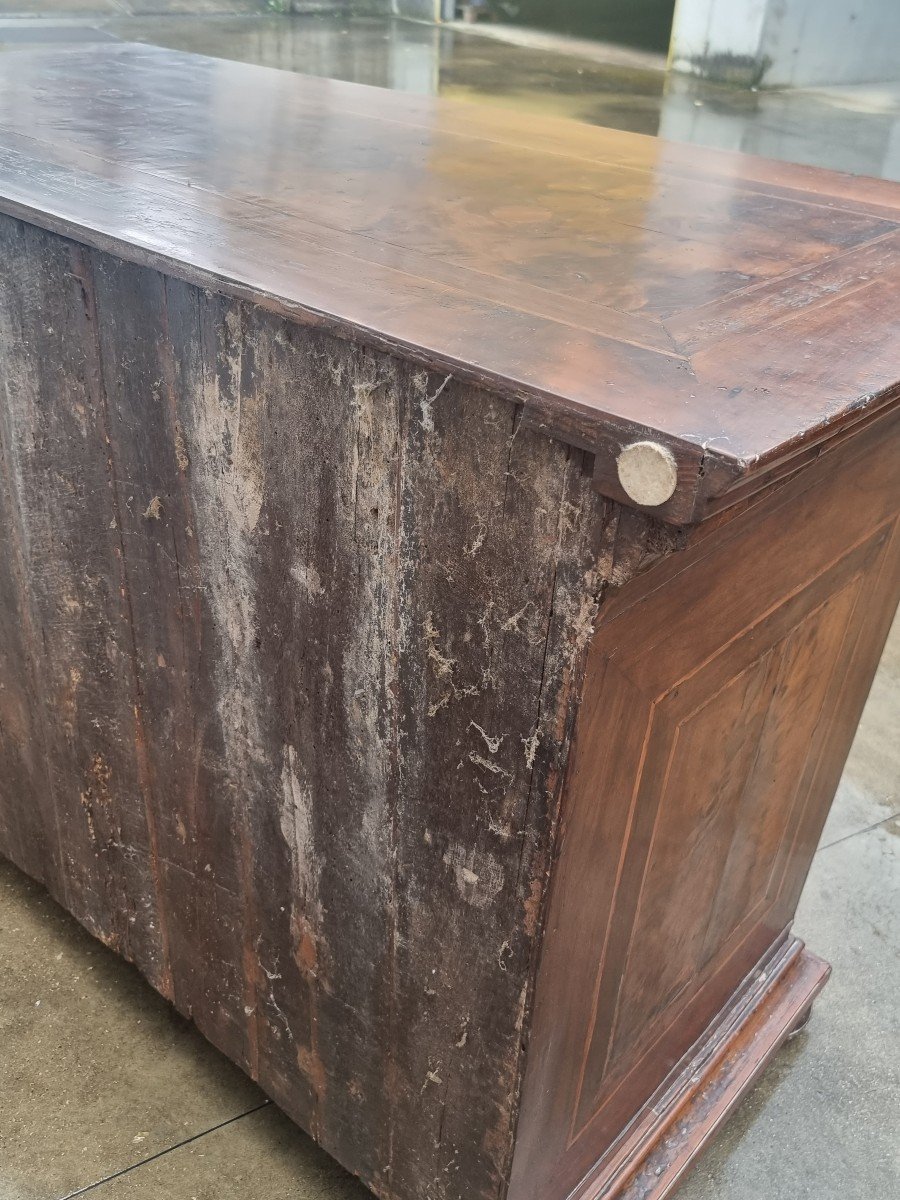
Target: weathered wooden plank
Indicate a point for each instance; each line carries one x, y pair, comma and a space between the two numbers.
191, 817
358, 585
313, 623
58, 462
29, 831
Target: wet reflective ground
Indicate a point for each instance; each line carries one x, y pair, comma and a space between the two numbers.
849, 128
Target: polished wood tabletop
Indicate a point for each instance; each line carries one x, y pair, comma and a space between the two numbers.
742, 312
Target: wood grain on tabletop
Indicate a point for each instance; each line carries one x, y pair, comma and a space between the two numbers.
734, 308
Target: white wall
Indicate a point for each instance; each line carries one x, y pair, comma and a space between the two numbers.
833, 41
423, 10
778, 43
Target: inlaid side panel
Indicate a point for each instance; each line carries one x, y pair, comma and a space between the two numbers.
722, 695
714, 800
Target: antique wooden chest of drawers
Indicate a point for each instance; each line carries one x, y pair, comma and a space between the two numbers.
445, 554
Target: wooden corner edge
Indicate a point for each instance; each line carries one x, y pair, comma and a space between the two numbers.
707, 1087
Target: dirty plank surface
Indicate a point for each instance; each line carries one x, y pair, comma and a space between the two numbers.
735, 309
292, 636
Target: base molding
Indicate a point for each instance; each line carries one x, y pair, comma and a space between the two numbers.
650, 1158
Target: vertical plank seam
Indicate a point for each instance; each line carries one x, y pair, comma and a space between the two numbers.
573, 690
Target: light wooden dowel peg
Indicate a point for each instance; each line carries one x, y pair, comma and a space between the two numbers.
648, 473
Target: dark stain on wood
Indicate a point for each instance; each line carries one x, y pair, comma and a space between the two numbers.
312, 627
